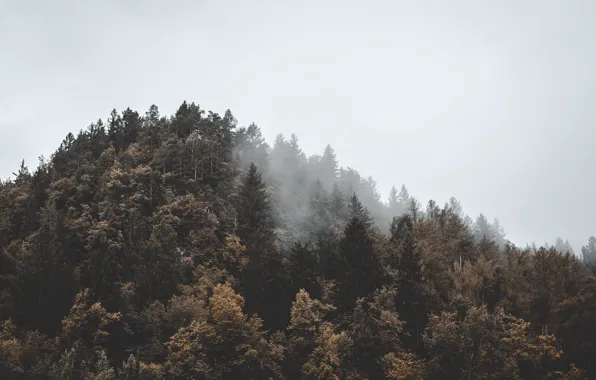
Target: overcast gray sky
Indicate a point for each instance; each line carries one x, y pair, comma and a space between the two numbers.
493, 102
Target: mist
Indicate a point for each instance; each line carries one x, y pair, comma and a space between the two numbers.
488, 103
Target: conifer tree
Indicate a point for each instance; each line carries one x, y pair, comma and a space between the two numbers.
403, 198
306, 324
359, 269
116, 130
356, 210
413, 300
396, 207
329, 167
228, 345
589, 251
304, 270
376, 329
131, 127
337, 203
482, 229
265, 278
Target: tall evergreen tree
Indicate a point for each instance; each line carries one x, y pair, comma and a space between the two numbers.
589, 251
304, 270
356, 210
403, 197
329, 167
264, 280
398, 202
360, 271
498, 232
337, 203
482, 229
413, 297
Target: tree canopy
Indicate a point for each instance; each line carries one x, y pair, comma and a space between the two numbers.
184, 246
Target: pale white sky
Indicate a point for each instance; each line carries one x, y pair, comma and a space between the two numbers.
492, 102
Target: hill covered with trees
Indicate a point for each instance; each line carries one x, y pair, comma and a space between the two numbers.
186, 247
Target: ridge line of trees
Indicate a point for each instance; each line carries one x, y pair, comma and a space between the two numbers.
152, 247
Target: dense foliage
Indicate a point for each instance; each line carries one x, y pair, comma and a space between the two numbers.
185, 247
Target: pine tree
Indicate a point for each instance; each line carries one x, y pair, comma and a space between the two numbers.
356, 210
329, 167
337, 203
413, 297
131, 127
403, 198
589, 251
255, 226
482, 229
319, 208
187, 119
414, 209
499, 234
250, 146
432, 210
116, 130
359, 270
265, 278
228, 345
376, 330
304, 270
396, 205
306, 324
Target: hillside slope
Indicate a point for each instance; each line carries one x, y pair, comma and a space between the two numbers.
181, 247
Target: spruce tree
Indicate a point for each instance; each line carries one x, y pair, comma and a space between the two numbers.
337, 203
329, 167
255, 225
412, 293
264, 279
356, 210
304, 270
116, 130
482, 229
589, 251
319, 208
403, 197
395, 206
360, 271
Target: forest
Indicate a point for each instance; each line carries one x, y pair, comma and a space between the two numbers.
186, 247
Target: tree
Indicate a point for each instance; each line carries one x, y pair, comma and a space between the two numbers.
404, 196
360, 271
356, 210
499, 234
398, 202
413, 294
228, 345
264, 278
319, 207
330, 358
304, 270
482, 229
589, 251
307, 323
577, 318
375, 329
250, 146
329, 167
255, 225
337, 203
486, 346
